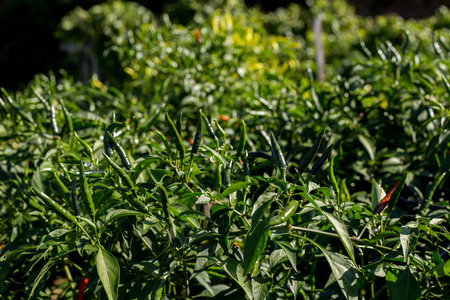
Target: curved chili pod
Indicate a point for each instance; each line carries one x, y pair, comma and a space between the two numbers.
246, 167
210, 129
220, 129
122, 155
81, 287
164, 200
123, 175
69, 121
106, 143
74, 197
53, 123
136, 203
277, 155
179, 122
55, 207
166, 144
85, 146
285, 214
242, 140
176, 137
259, 154
332, 178
85, 191
219, 177
198, 137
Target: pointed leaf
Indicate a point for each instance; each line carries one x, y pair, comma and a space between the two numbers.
235, 271
406, 287
255, 244
337, 225
120, 213
233, 188
261, 287
109, 273
368, 145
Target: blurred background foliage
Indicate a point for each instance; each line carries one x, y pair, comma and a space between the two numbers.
30, 24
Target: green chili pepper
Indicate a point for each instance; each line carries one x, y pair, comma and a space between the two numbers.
219, 177
222, 132
136, 203
42, 99
123, 175
228, 173
242, 140
286, 214
179, 122
53, 123
316, 167
74, 197
69, 121
246, 167
307, 158
176, 137
197, 138
85, 146
86, 192
90, 173
106, 143
61, 185
332, 178
120, 151
55, 207
32, 201
426, 201
164, 200
277, 155
259, 154
210, 129
166, 144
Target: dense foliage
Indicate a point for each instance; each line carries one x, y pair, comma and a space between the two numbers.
206, 161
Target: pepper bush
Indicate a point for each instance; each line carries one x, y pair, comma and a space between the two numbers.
215, 165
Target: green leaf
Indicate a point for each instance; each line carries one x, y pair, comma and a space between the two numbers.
406, 287
235, 271
377, 194
120, 213
109, 273
260, 206
408, 241
216, 154
40, 279
261, 287
337, 225
216, 289
233, 188
368, 145
442, 270
255, 244
290, 252
344, 272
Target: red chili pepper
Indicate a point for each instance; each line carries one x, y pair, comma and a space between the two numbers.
224, 118
385, 201
82, 287
197, 35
